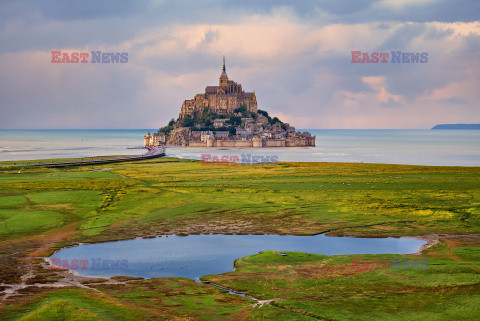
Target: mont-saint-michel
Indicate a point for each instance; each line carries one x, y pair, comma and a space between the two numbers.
227, 116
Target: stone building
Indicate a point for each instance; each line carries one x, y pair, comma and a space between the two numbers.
154, 139
221, 99
205, 135
218, 123
221, 135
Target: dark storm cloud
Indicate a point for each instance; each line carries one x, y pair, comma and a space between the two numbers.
355, 11
33, 24
347, 11
71, 9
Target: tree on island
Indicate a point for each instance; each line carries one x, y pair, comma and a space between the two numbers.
275, 120
187, 121
242, 109
272, 120
235, 120
203, 121
167, 129
263, 112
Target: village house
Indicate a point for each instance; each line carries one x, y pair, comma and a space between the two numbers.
218, 123
221, 135
154, 139
247, 120
205, 135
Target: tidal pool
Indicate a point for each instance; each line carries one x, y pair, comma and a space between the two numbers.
193, 256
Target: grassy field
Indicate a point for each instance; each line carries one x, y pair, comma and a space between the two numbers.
44, 209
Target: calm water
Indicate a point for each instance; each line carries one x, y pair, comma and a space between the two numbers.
44, 144
414, 147
417, 147
197, 255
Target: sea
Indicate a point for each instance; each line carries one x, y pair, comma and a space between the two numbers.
388, 146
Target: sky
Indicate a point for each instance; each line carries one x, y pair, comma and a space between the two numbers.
295, 55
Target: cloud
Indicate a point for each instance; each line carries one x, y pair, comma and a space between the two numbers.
295, 55
402, 4
455, 100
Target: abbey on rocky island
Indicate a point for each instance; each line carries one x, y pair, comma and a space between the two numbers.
227, 116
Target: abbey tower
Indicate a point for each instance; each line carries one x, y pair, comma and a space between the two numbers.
221, 99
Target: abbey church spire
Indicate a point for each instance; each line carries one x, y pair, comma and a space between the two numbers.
223, 76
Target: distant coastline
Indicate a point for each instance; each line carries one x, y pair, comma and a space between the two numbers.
457, 126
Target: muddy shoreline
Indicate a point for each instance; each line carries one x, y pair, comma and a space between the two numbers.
69, 278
